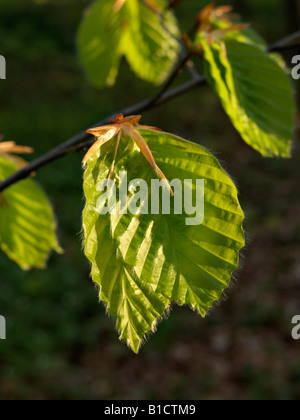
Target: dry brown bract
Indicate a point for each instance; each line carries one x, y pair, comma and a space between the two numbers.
124, 127
9, 148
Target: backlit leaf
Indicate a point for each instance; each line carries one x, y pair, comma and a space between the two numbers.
134, 31
27, 227
255, 92
144, 262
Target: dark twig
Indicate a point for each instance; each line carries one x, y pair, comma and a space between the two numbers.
173, 76
84, 140
288, 42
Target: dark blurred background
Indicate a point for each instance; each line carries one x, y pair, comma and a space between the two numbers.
60, 344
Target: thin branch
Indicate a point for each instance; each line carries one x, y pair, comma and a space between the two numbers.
288, 42
83, 140
173, 76
190, 67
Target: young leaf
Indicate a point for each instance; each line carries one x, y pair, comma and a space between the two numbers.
150, 45
255, 92
132, 29
27, 227
144, 262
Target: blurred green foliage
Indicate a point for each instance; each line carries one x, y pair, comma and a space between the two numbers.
60, 345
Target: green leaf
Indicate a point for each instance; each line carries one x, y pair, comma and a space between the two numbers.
144, 262
27, 227
136, 32
255, 92
150, 47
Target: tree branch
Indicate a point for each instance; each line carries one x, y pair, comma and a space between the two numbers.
84, 140
288, 42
